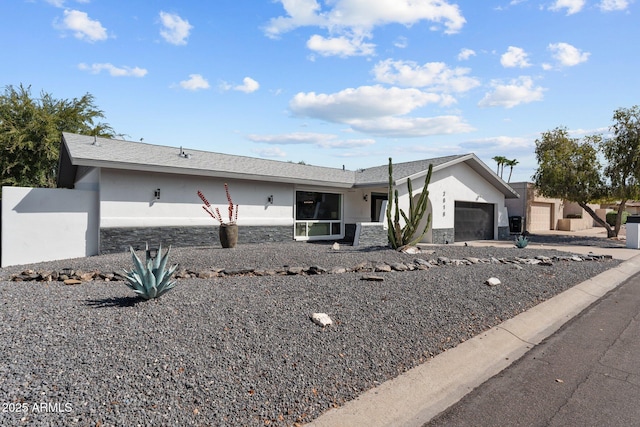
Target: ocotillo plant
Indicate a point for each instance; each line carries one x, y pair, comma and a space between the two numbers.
402, 235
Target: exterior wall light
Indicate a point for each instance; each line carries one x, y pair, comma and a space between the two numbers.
270, 199
156, 194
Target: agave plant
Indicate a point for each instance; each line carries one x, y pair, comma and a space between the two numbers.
150, 279
522, 242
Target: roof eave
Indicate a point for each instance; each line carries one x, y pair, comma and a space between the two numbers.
210, 173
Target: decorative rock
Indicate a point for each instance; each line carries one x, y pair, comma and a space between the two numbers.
399, 266
314, 269
206, 274
321, 319
87, 277
473, 260
335, 246
371, 278
576, 258
408, 249
382, 267
72, 282
292, 271
420, 261
362, 266
443, 260
493, 281
338, 270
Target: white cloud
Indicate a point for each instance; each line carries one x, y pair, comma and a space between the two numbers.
572, 6
515, 57
195, 82
516, 92
340, 46
466, 54
364, 102
83, 27
406, 127
322, 140
401, 42
113, 70
498, 142
435, 75
568, 55
613, 5
355, 19
378, 110
175, 30
270, 152
248, 85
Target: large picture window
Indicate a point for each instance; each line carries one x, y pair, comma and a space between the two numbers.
318, 215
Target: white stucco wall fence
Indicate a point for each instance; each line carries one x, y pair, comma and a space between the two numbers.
44, 224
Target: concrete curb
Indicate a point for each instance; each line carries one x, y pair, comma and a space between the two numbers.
420, 394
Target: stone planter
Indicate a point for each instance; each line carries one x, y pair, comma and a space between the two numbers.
228, 235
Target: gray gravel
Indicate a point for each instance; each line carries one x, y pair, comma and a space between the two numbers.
242, 351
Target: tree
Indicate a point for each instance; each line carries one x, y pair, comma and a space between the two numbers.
569, 169
511, 164
622, 152
500, 160
30, 131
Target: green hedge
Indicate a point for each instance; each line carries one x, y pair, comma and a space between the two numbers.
611, 217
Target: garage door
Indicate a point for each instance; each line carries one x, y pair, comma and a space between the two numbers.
473, 221
540, 217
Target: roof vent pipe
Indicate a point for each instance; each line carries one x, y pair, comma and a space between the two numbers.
183, 154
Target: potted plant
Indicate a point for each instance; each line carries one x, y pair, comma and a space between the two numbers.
228, 230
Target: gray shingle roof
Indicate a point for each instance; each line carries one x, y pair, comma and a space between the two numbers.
88, 151
380, 174
118, 154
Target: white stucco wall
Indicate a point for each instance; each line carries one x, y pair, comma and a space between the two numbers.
456, 183
46, 224
127, 200
356, 209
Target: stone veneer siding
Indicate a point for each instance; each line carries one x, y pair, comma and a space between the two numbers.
504, 233
373, 235
114, 240
441, 236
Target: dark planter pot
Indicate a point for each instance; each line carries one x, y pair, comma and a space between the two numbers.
228, 235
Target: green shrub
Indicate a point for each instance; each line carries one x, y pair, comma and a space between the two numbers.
611, 217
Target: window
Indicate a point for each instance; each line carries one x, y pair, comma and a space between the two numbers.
318, 215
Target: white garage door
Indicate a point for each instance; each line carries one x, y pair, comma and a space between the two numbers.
540, 216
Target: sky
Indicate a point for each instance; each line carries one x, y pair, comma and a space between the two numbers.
334, 82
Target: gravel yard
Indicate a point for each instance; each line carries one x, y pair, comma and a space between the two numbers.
242, 350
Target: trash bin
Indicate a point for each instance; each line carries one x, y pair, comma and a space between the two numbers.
515, 224
633, 232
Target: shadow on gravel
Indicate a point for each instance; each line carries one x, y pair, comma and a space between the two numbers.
114, 302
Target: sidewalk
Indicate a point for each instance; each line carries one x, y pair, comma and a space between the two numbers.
602, 346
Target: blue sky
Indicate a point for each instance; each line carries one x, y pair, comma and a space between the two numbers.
334, 82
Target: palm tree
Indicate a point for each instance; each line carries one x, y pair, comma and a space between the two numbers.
511, 164
500, 160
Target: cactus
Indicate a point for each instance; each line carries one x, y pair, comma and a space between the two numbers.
402, 235
521, 242
150, 280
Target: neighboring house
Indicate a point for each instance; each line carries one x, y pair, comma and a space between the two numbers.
127, 193
540, 213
